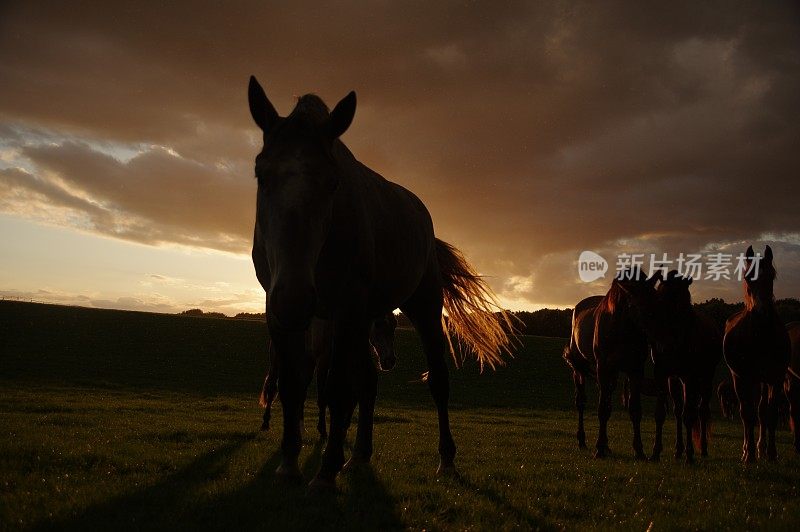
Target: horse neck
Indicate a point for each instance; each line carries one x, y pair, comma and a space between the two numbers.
759, 300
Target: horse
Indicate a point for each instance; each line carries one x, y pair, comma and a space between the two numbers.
335, 240
757, 350
686, 348
318, 340
792, 382
607, 337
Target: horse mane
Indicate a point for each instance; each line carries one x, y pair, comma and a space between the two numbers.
311, 109
612, 299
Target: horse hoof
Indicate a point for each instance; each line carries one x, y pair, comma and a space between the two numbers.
748, 458
289, 473
602, 452
640, 456
264, 427
321, 486
447, 471
689, 459
582, 446
655, 458
678, 455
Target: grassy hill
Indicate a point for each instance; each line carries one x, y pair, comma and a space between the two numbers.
135, 420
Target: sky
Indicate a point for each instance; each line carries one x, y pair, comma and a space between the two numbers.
532, 131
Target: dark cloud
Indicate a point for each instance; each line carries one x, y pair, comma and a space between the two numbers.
532, 130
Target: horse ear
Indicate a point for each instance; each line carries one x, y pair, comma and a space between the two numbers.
768, 254
342, 115
655, 278
749, 253
672, 274
264, 114
689, 280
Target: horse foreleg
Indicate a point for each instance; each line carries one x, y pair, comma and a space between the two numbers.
607, 380
660, 416
350, 342
691, 400
746, 392
635, 413
676, 393
290, 348
580, 405
362, 450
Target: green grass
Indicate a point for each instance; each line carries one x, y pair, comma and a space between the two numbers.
118, 420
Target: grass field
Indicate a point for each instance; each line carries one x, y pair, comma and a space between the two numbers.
119, 420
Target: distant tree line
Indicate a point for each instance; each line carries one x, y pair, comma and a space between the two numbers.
558, 322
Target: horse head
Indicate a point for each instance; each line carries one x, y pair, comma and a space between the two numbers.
759, 279
636, 298
297, 180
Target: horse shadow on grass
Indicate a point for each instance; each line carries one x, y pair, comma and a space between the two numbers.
178, 500
362, 502
522, 516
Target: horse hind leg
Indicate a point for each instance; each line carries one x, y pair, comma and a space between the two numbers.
706, 395
425, 312
322, 404
792, 388
580, 405
763, 420
772, 420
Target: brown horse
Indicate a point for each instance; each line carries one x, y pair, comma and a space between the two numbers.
318, 340
607, 337
792, 382
757, 351
336, 241
686, 349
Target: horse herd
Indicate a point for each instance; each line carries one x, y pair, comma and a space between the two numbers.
337, 248
640, 318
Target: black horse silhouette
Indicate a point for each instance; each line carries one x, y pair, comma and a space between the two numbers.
336, 241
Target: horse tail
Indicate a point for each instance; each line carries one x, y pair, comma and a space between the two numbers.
474, 316
263, 399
